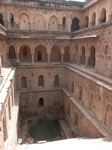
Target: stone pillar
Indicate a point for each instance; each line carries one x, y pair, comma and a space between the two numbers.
62, 55
86, 62
18, 57
32, 58
48, 59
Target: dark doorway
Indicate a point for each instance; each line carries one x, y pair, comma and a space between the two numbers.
41, 102
75, 25
39, 56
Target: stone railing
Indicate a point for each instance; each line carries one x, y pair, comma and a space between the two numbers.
46, 4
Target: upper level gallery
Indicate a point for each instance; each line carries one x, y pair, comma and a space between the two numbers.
15, 17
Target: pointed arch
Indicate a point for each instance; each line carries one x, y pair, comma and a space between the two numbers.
82, 58
86, 21
91, 61
64, 23
24, 22
66, 57
93, 21
12, 53
102, 18
25, 54
55, 55
23, 82
57, 82
12, 20
40, 54
53, 23
75, 24
41, 81
39, 22
41, 102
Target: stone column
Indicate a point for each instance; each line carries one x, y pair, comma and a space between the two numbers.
48, 59
62, 55
86, 62
18, 57
32, 58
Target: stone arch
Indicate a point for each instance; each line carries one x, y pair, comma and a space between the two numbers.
86, 21
79, 95
82, 57
24, 22
39, 22
64, 23
41, 81
12, 52
41, 102
40, 54
93, 20
57, 81
108, 116
12, 20
55, 55
75, 24
66, 57
53, 23
91, 61
23, 82
76, 53
25, 54
102, 18
1, 20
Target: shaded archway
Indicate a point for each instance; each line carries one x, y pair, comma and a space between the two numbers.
53, 23
12, 20
41, 102
41, 81
24, 22
66, 57
82, 57
91, 61
86, 21
40, 54
23, 82
93, 21
75, 25
12, 53
1, 20
102, 18
25, 54
64, 23
108, 116
57, 82
39, 23
55, 55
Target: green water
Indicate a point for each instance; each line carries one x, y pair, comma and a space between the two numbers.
45, 130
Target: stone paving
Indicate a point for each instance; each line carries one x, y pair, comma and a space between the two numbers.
72, 144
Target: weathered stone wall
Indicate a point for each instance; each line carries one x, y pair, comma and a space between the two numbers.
30, 105
92, 93
79, 123
32, 76
8, 113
